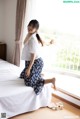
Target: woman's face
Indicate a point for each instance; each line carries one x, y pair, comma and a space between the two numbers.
31, 29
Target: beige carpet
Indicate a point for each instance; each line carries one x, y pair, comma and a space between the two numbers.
69, 112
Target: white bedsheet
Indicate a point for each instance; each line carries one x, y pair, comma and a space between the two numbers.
8, 71
15, 97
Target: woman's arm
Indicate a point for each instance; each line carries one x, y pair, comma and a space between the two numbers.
31, 64
48, 43
27, 38
32, 60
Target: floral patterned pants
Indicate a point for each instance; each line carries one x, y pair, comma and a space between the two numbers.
34, 80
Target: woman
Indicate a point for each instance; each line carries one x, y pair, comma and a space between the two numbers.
33, 61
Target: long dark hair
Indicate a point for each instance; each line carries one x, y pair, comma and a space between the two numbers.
35, 24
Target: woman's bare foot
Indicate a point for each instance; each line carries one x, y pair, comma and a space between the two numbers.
53, 82
42, 75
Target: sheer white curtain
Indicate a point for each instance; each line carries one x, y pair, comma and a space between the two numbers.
29, 14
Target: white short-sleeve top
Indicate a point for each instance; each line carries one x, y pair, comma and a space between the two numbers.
32, 46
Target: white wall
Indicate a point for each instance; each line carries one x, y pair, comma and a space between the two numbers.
8, 24
1, 20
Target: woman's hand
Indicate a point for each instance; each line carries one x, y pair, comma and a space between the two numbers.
27, 72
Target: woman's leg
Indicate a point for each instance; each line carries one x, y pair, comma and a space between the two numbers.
52, 80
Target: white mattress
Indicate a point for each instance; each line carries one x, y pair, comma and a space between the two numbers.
15, 97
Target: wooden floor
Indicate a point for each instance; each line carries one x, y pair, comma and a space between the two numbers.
68, 112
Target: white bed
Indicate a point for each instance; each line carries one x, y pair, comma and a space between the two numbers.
15, 97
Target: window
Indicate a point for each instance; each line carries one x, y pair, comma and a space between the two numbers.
60, 26
64, 54
60, 23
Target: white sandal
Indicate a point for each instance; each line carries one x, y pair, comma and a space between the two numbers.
53, 106
56, 106
60, 105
